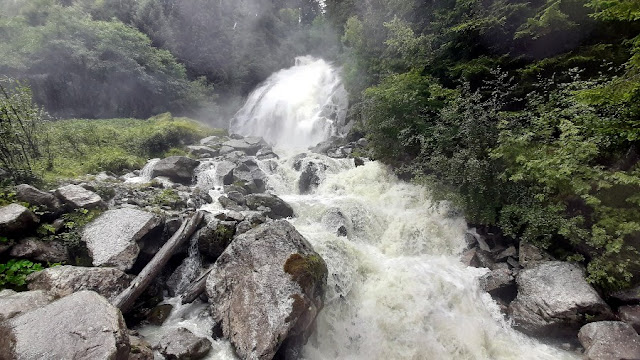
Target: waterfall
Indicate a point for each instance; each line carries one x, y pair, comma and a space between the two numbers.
296, 107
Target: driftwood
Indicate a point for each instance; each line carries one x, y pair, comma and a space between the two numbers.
127, 298
196, 288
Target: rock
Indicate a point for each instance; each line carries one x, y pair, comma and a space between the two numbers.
333, 219
177, 168
500, 284
224, 171
271, 205
508, 252
311, 177
362, 142
609, 340
112, 238
33, 196
76, 197
140, 349
470, 258
248, 146
266, 290
229, 215
628, 296
211, 141
224, 150
15, 303
630, 315
159, 314
202, 151
530, 255
80, 326
60, 281
182, 344
237, 197
38, 250
16, 219
358, 161
554, 299
249, 176
214, 238
266, 154
470, 239
229, 204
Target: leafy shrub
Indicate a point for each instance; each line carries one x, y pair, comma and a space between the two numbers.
14, 273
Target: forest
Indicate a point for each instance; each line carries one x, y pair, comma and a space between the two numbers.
525, 114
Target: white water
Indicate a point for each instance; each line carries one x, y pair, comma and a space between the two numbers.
296, 107
396, 288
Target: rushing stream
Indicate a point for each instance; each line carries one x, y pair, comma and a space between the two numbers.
396, 287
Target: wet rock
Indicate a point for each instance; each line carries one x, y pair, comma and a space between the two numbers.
470, 258
554, 299
237, 197
500, 284
16, 219
229, 215
177, 168
266, 154
508, 252
112, 238
362, 142
271, 205
249, 146
628, 296
229, 204
609, 340
631, 315
212, 141
202, 151
33, 196
15, 303
224, 150
76, 197
80, 326
159, 314
335, 220
182, 344
224, 171
65, 280
214, 237
530, 255
266, 290
38, 250
249, 176
311, 177
140, 348
358, 161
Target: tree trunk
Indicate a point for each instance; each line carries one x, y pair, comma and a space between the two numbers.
127, 298
196, 288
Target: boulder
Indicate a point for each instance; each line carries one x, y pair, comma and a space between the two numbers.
610, 340
33, 196
202, 151
16, 219
182, 344
113, 238
214, 237
76, 197
249, 146
271, 205
61, 281
500, 284
555, 299
334, 220
627, 296
248, 176
211, 141
38, 250
311, 177
631, 315
530, 255
177, 168
266, 290
80, 326
140, 349
159, 314
15, 303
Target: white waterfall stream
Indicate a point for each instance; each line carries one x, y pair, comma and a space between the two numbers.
396, 288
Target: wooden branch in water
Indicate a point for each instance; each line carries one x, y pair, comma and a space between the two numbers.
196, 288
127, 298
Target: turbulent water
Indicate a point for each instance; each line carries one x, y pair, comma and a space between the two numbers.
396, 288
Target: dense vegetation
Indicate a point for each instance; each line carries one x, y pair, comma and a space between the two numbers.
524, 113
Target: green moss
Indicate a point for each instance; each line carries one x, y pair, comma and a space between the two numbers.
168, 197
306, 270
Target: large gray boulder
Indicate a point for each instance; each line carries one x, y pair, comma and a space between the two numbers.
249, 145
38, 250
631, 315
76, 197
113, 238
61, 281
177, 168
80, 326
610, 340
16, 219
33, 196
266, 290
555, 299
271, 205
182, 344
202, 151
311, 176
248, 176
15, 303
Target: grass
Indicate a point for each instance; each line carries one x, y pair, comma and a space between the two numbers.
80, 147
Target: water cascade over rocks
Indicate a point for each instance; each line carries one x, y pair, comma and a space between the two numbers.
396, 288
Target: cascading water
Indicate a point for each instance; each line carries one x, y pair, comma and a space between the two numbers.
296, 107
396, 288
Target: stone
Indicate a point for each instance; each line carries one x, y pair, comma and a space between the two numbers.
249, 176
38, 250
202, 151
609, 340
211, 141
229, 215
508, 252
246, 145
358, 161
631, 315
530, 255
334, 220
271, 205
496, 279
178, 169
76, 197
470, 239
555, 299
214, 237
224, 171
182, 344
229, 204
311, 176
470, 258
224, 150
237, 197
113, 238
266, 290
627, 296
81, 326
60, 281
140, 348
159, 314
15, 303
33, 196
16, 219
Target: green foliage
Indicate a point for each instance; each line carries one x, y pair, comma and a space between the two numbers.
14, 273
167, 197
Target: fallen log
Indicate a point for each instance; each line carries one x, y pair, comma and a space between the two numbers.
196, 288
127, 298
